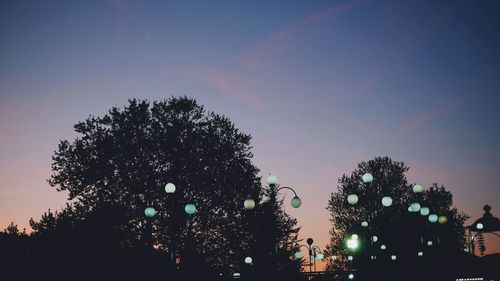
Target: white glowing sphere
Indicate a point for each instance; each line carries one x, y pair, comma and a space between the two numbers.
150, 212
351, 276
418, 188
248, 260
350, 258
364, 224
429, 243
334, 257
170, 188
352, 244
433, 218
386, 201
479, 226
236, 275
367, 178
393, 257
249, 204
272, 180
355, 236
443, 219
424, 211
420, 254
320, 256
415, 207
383, 247
298, 255
352, 199
190, 209
373, 257
296, 202
374, 238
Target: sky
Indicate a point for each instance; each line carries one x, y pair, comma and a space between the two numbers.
320, 85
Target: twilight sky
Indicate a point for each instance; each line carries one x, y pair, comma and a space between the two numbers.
320, 85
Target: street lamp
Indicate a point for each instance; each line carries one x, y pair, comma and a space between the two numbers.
314, 251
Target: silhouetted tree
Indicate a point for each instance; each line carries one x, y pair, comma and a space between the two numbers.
119, 165
403, 233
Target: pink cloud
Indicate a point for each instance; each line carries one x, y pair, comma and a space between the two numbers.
231, 83
426, 117
280, 41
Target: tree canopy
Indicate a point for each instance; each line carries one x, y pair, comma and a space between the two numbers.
403, 233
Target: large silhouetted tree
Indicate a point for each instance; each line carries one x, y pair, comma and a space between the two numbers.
403, 233
119, 165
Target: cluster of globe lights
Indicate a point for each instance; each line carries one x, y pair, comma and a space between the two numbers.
415, 207
189, 208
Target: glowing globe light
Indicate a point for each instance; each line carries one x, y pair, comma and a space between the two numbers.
429, 243
150, 212
418, 188
355, 237
350, 276
170, 188
298, 255
190, 209
373, 257
350, 258
249, 204
334, 257
364, 224
352, 199
352, 244
367, 178
272, 180
320, 256
236, 275
433, 218
420, 254
296, 202
374, 238
383, 247
248, 260
415, 207
424, 211
443, 219
386, 201
466, 250
393, 257
479, 226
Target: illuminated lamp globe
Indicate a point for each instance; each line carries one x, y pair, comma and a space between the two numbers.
373, 257
386, 201
298, 255
415, 207
479, 226
296, 202
334, 257
420, 254
170, 188
418, 188
393, 257
190, 209
150, 212
424, 211
350, 258
367, 178
443, 219
248, 260
355, 236
383, 247
433, 218
272, 180
364, 224
319, 256
429, 243
351, 276
236, 275
352, 244
374, 238
249, 204
352, 199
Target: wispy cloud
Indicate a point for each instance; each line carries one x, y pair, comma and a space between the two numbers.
426, 117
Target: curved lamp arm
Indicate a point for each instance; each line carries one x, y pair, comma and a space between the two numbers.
287, 187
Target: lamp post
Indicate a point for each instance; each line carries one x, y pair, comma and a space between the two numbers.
313, 250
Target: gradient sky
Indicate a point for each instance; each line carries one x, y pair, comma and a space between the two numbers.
320, 85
